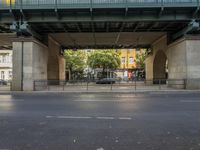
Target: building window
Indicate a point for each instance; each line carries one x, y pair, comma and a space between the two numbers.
0, 58
131, 60
2, 75
4, 59
10, 74
123, 60
7, 59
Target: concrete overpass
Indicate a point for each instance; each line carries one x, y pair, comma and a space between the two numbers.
39, 30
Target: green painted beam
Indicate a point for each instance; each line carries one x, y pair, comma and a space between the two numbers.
100, 18
74, 4
192, 27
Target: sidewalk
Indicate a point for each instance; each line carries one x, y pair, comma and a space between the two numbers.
102, 92
93, 88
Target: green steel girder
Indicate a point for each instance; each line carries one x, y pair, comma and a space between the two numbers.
93, 16
192, 27
147, 46
92, 4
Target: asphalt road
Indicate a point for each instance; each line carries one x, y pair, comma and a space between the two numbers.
58, 121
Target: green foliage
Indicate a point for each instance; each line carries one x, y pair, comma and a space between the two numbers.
75, 62
105, 59
140, 59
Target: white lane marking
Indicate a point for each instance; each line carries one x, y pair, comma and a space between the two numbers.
5, 149
11, 100
126, 96
190, 101
101, 100
125, 118
49, 116
72, 117
107, 118
87, 117
100, 148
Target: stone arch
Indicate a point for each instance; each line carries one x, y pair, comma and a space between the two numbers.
160, 66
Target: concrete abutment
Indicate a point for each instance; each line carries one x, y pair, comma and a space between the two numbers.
33, 60
56, 62
183, 62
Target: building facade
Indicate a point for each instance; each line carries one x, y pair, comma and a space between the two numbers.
128, 67
6, 65
128, 63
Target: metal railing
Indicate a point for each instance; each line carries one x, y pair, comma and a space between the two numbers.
118, 86
52, 4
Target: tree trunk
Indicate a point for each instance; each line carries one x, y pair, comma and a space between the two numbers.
70, 74
103, 73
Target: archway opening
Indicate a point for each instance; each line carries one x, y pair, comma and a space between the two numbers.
160, 68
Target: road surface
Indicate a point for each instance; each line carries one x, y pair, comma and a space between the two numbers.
104, 121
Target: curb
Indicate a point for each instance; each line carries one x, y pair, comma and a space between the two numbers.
103, 92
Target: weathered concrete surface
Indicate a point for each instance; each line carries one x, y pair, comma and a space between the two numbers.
193, 63
17, 66
34, 61
176, 54
159, 67
56, 62
153, 65
29, 64
183, 61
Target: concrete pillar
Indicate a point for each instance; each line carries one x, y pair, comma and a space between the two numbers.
183, 61
155, 63
149, 68
29, 63
177, 60
159, 66
56, 62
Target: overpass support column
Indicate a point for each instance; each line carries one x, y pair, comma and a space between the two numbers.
29, 63
184, 61
155, 62
56, 62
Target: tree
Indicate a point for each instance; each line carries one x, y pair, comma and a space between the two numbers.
75, 62
104, 59
140, 59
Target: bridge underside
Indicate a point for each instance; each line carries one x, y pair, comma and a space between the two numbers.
39, 32
106, 40
93, 21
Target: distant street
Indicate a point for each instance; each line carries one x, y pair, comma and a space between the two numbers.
103, 121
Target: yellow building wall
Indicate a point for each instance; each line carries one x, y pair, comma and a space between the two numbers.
127, 54
7, 2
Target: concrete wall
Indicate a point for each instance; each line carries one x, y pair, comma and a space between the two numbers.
34, 61
158, 45
17, 66
56, 62
159, 65
62, 68
177, 60
193, 63
29, 64
183, 61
